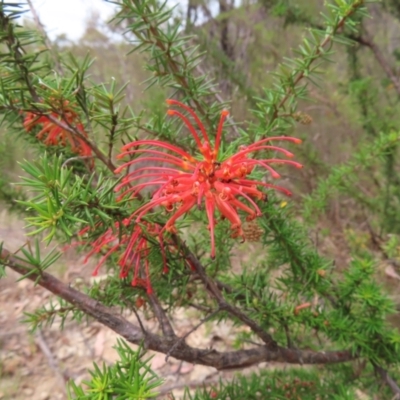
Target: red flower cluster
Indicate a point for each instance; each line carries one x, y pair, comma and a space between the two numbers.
51, 134
134, 240
224, 186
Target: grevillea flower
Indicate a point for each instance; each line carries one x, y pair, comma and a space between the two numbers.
51, 134
187, 181
134, 241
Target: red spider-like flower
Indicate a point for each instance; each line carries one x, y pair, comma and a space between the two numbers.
136, 249
51, 134
188, 180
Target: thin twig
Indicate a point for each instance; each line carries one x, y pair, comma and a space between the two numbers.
54, 366
388, 380
199, 307
68, 127
317, 53
367, 40
162, 318
66, 162
131, 307
139, 320
181, 339
114, 119
287, 334
174, 66
213, 289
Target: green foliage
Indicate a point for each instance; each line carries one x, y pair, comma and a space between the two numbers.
290, 383
275, 110
129, 378
46, 315
347, 304
344, 178
34, 257
65, 199
172, 60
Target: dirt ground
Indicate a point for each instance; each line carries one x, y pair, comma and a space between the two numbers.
37, 365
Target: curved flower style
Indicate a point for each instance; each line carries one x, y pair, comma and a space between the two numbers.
188, 181
51, 134
136, 249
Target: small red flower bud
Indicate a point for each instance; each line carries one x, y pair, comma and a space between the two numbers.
52, 134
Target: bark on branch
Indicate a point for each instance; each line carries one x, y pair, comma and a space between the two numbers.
366, 40
171, 345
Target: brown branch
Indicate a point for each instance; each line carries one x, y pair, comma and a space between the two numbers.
134, 334
139, 320
64, 125
317, 53
226, 45
66, 162
366, 40
212, 287
175, 68
388, 380
162, 318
